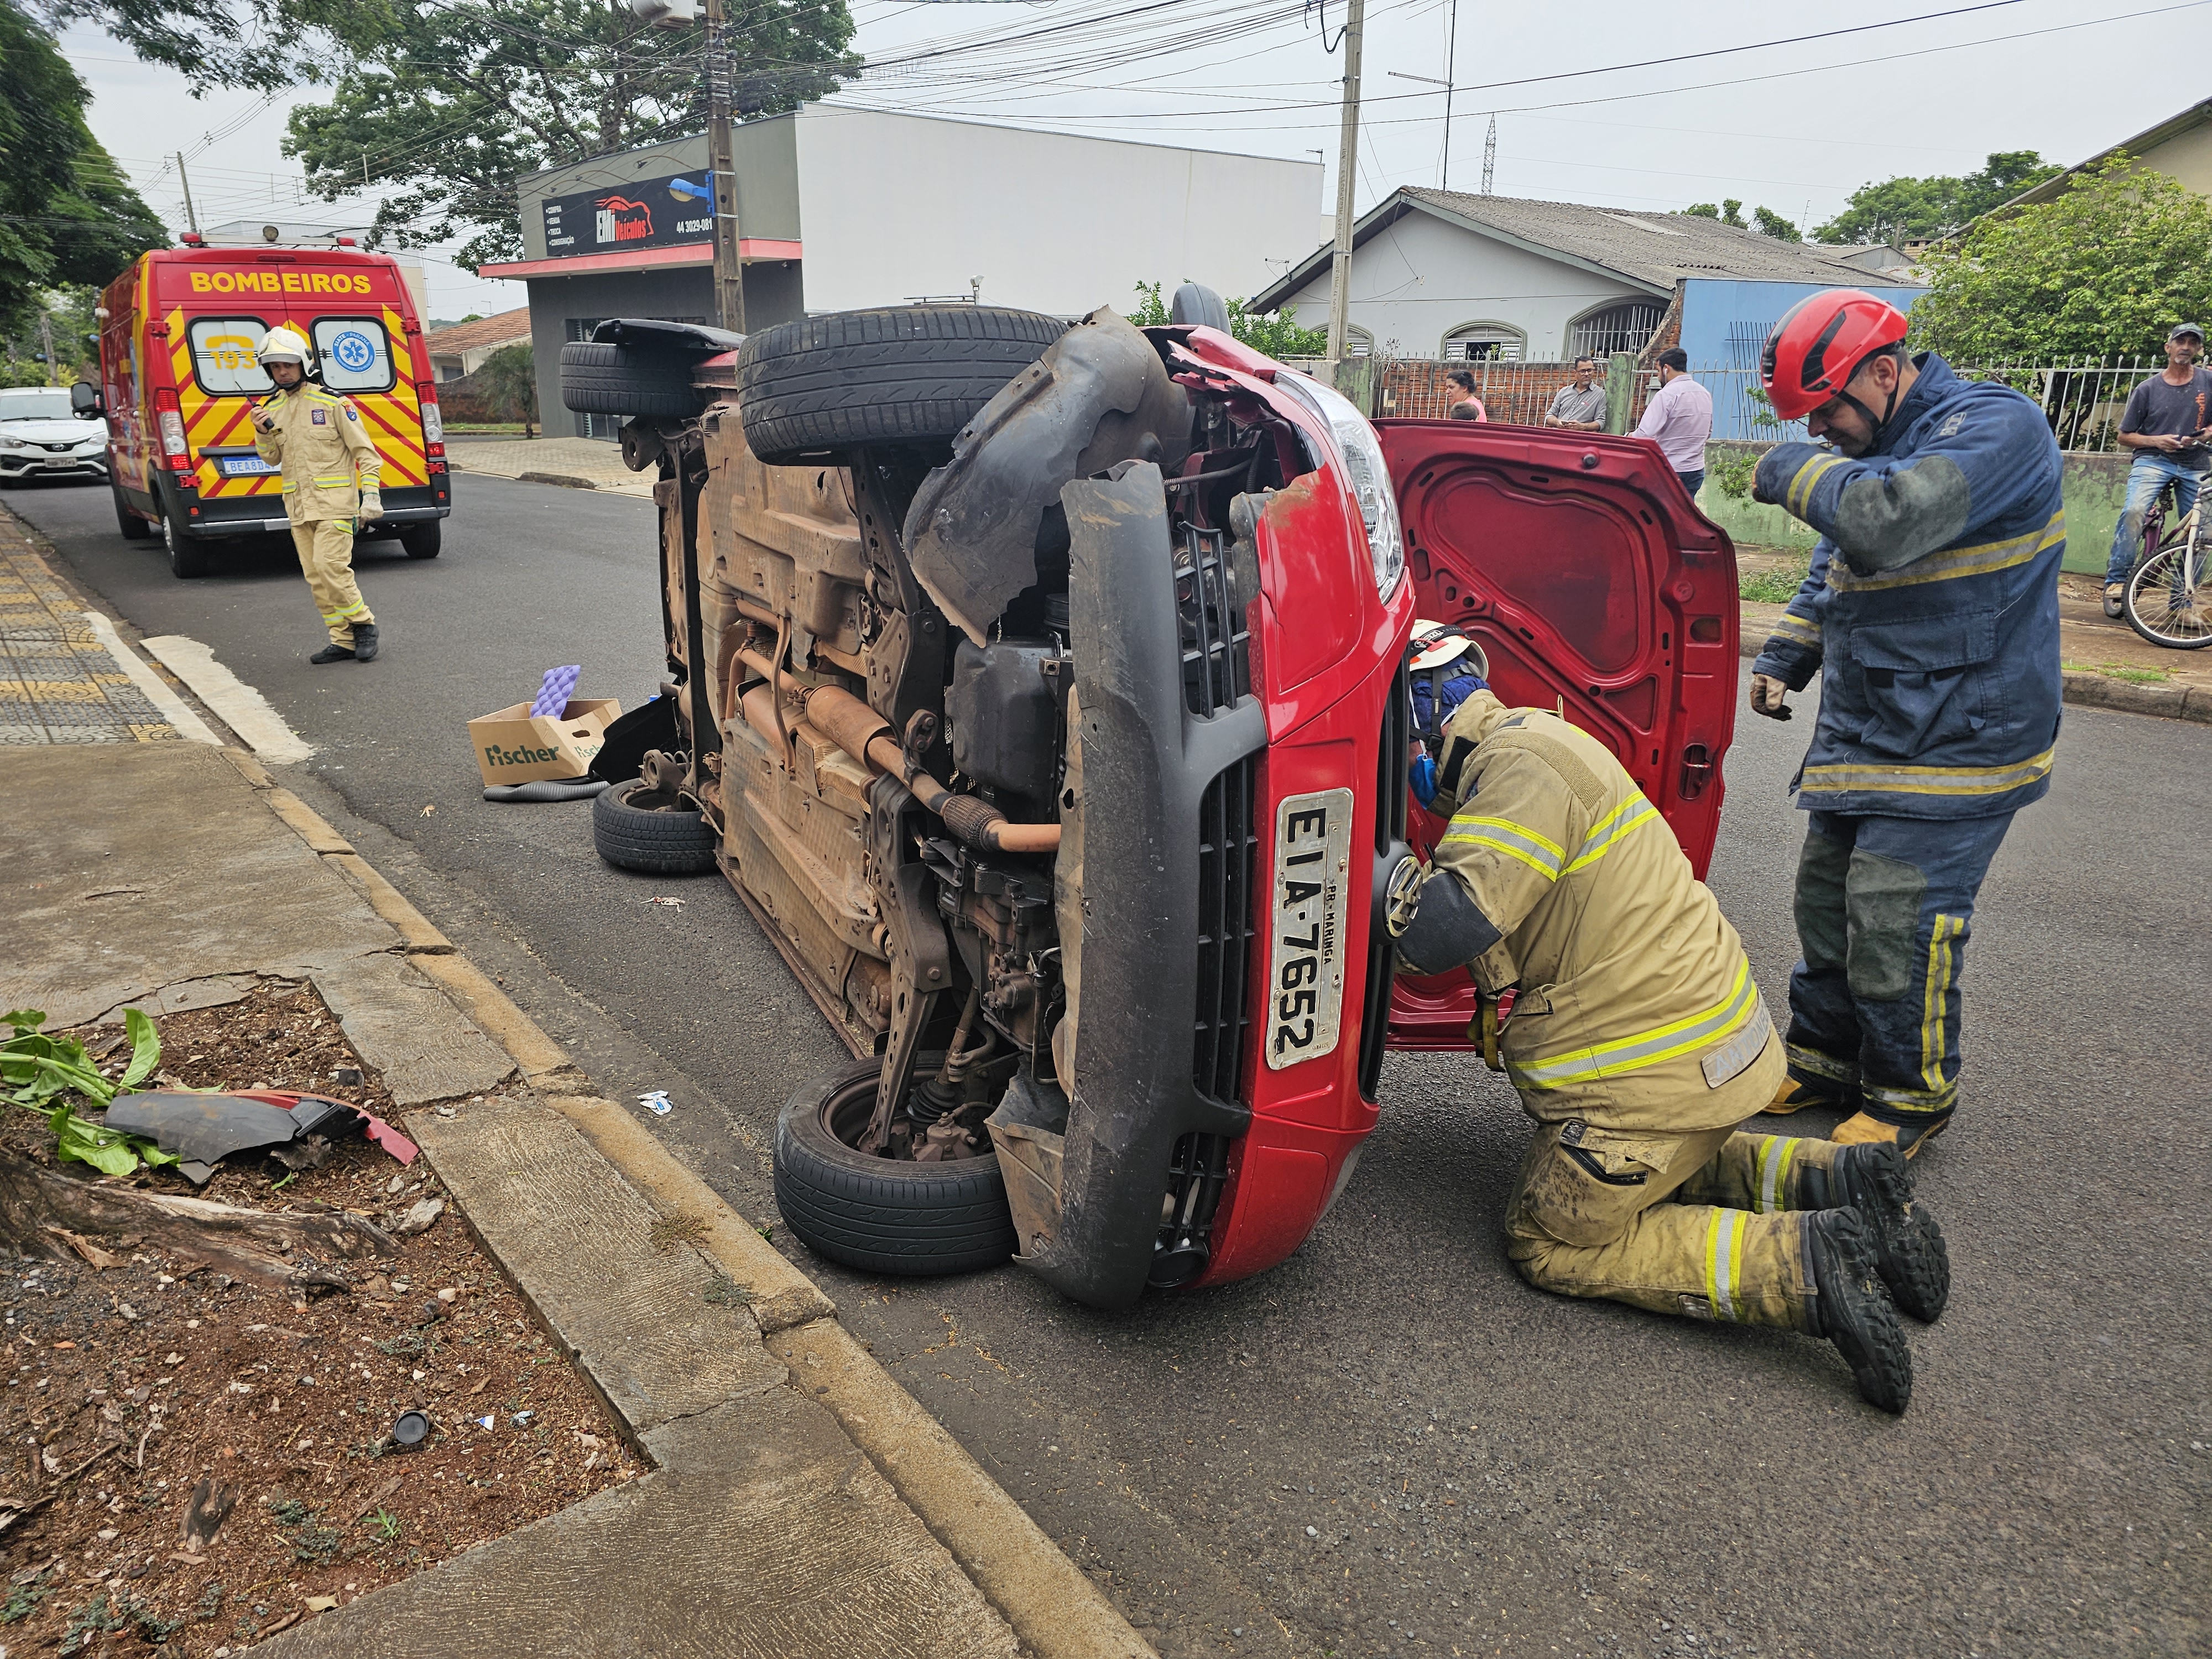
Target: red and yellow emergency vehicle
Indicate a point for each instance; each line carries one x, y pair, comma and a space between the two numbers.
178, 379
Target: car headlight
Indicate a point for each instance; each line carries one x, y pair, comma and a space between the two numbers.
13, 443
1365, 471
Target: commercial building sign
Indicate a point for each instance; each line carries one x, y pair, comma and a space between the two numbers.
649, 213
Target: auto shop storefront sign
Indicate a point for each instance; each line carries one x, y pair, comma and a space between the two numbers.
663, 212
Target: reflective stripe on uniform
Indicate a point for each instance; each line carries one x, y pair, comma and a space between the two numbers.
1801, 487
1537, 852
1802, 1059
1775, 1155
1724, 1260
1926, 1101
339, 482
1954, 562
1936, 1000
1844, 777
1792, 623
1611, 829
1633, 1054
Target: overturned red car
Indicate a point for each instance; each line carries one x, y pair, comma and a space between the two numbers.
1041, 689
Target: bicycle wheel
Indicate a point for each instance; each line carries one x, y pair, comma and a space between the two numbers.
2169, 601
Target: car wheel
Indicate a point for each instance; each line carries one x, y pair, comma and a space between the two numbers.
637, 829
424, 540
188, 559
882, 1215
904, 374
601, 377
133, 528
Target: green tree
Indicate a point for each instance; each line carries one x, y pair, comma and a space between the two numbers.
1272, 334
1729, 212
450, 101
1904, 210
1767, 222
67, 216
509, 379
2105, 268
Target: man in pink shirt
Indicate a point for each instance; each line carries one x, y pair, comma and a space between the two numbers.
1679, 419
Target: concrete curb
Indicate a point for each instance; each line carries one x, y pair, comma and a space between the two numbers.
565, 480
1053, 1608
2173, 702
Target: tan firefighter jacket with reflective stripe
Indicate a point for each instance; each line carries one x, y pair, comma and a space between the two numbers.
327, 457
1637, 1009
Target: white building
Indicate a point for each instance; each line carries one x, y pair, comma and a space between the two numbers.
1441, 273
840, 209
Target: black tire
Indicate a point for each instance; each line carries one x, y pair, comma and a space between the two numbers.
904, 374
133, 528
424, 540
188, 559
600, 377
669, 842
882, 1215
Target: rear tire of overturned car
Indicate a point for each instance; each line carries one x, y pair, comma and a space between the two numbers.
882, 1215
902, 375
601, 377
630, 834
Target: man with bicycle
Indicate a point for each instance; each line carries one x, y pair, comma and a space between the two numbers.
2166, 424
1931, 616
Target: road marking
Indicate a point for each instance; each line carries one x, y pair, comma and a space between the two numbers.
173, 708
243, 709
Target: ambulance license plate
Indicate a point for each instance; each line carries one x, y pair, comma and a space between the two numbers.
245, 467
1305, 954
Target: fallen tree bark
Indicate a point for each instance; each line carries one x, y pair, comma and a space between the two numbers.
41, 1208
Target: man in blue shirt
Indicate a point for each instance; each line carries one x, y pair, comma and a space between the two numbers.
2165, 423
1931, 614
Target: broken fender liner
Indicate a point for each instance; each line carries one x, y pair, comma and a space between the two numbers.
38, 1204
1146, 763
203, 1129
1098, 396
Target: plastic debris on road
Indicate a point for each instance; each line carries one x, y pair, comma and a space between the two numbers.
668, 899
657, 1103
553, 695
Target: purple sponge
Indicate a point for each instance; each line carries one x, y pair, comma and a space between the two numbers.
553, 695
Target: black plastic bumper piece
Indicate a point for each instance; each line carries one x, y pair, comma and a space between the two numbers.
1146, 763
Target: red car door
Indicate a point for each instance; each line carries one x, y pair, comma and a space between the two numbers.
1597, 589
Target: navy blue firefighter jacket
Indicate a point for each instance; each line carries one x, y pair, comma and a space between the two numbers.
1931, 608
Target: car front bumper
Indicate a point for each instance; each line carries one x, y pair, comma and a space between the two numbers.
17, 464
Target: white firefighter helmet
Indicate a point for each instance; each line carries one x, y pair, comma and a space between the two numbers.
1436, 643
283, 345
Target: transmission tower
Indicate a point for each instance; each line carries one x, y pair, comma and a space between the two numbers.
1490, 156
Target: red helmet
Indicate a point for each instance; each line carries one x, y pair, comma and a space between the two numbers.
1812, 352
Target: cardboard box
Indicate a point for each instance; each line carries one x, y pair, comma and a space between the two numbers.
513, 746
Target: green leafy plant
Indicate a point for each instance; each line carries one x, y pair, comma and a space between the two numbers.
1733, 469
385, 1525
1274, 333
36, 1069
22, 1598
1904, 209
1776, 586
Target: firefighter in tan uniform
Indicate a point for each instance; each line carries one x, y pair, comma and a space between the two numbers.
331, 474
1638, 1042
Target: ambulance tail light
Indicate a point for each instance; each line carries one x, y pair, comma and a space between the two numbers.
174, 450
433, 424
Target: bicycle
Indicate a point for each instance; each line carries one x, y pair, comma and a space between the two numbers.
2169, 594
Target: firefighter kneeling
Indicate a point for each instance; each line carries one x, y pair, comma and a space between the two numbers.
1638, 1042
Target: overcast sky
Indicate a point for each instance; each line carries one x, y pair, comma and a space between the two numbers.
1818, 120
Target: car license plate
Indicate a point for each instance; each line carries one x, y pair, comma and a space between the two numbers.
1305, 956
245, 467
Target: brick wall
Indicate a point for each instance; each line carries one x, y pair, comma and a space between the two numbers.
1517, 393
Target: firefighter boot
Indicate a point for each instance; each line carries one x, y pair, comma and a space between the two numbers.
1909, 1250
1854, 1309
1793, 1096
331, 653
364, 641
1863, 1128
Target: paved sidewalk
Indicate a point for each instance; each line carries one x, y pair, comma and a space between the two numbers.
578, 462
58, 683
800, 1504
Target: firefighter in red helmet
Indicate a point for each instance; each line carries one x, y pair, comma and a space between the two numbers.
1931, 614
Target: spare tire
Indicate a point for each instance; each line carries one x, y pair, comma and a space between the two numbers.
904, 374
882, 1215
603, 377
634, 829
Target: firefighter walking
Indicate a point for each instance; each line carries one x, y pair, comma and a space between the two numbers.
1931, 616
331, 473
1638, 1042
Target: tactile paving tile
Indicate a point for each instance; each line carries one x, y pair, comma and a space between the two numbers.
57, 682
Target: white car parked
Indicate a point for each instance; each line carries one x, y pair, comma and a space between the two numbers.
39, 438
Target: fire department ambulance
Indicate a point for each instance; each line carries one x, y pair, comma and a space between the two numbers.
178, 380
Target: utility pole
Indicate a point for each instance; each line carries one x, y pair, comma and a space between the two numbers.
729, 263
1490, 156
191, 217
1347, 174
46, 338
1451, 72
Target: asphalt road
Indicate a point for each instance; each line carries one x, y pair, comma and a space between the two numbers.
1389, 1444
